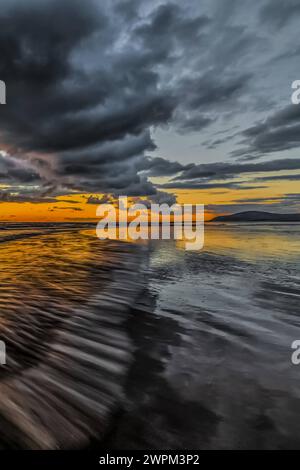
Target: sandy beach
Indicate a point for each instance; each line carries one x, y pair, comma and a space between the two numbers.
68, 353
130, 346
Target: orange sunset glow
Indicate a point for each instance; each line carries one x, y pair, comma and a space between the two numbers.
75, 207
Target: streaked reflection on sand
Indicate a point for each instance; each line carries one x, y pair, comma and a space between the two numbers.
200, 358
63, 300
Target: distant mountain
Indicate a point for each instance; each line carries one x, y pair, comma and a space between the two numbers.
257, 216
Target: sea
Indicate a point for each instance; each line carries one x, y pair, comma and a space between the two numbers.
146, 345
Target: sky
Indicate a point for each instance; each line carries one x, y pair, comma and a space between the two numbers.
182, 100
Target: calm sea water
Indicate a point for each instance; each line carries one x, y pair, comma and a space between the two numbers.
207, 337
213, 341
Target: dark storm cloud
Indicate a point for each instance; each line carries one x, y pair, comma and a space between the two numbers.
203, 185
193, 123
215, 143
80, 105
13, 170
292, 198
203, 97
83, 94
159, 167
226, 170
105, 199
167, 29
111, 166
211, 89
280, 131
279, 13
162, 197
291, 177
88, 83
6, 196
287, 203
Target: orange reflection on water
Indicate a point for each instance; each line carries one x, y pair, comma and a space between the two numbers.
252, 242
241, 240
44, 279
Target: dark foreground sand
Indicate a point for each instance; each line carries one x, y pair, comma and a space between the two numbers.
196, 357
67, 360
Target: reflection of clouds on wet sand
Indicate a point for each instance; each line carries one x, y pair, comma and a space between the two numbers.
212, 367
254, 241
210, 334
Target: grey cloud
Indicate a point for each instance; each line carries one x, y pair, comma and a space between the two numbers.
287, 202
83, 94
89, 82
291, 198
280, 131
77, 101
291, 177
225, 170
159, 167
105, 199
13, 170
279, 13
213, 89
6, 196
192, 122
162, 197
70, 208
168, 30
203, 185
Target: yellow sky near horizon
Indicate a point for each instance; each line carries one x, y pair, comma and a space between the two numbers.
74, 207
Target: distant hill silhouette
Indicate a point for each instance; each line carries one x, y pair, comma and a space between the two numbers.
257, 216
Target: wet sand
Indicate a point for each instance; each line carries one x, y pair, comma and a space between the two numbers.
196, 357
213, 335
68, 352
